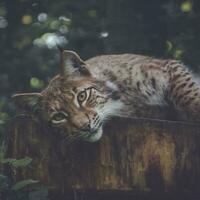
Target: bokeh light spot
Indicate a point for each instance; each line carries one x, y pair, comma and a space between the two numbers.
36, 83
27, 19
2, 11
92, 13
104, 34
42, 17
186, 6
169, 46
3, 22
178, 53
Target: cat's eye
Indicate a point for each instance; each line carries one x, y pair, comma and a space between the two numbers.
59, 117
82, 96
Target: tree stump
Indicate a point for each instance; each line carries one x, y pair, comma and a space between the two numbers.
133, 157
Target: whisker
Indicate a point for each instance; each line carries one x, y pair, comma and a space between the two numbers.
74, 138
70, 139
67, 139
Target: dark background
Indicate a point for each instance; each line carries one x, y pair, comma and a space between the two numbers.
29, 31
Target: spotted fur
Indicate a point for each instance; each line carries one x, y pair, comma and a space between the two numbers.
86, 94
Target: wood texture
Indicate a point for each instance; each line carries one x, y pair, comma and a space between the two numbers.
133, 155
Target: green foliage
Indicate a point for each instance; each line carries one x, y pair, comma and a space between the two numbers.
17, 162
24, 189
22, 184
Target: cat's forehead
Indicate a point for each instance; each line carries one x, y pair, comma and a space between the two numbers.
58, 90
59, 84
57, 95
53, 101
63, 91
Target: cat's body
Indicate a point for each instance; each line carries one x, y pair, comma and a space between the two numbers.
144, 80
85, 94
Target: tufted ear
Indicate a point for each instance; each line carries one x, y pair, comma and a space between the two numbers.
27, 101
71, 63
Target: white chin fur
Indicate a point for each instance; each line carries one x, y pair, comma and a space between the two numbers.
94, 137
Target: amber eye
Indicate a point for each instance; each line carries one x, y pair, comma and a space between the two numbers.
59, 117
82, 96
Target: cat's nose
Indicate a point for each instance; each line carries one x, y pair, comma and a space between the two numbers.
86, 127
89, 128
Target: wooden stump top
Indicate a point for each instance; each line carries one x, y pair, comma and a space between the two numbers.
133, 155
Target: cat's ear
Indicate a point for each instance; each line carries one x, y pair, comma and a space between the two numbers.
27, 101
71, 63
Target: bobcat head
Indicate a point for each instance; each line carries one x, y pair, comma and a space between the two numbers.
74, 102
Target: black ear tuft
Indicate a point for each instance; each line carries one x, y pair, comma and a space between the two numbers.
27, 101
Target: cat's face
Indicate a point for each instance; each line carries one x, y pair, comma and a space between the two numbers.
74, 102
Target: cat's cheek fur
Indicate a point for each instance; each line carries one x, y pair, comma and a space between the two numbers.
110, 109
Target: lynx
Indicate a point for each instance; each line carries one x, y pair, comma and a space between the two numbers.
84, 95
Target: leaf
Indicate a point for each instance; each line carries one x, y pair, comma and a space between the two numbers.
7, 160
17, 162
21, 184
22, 162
